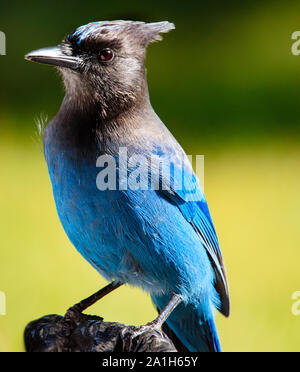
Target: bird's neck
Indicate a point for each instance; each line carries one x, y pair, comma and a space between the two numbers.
104, 99
84, 128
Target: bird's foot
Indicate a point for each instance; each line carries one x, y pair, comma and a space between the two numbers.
74, 314
144, 339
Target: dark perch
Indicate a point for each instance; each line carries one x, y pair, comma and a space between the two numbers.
78, 332
53, 333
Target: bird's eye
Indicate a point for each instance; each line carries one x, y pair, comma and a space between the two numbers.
106, 55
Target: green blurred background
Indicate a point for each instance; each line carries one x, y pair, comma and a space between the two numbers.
227, 85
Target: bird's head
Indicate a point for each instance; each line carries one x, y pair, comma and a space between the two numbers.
103, 62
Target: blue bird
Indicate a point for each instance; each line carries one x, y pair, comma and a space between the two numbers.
157, 234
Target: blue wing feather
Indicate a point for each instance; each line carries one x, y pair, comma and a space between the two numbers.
191, 202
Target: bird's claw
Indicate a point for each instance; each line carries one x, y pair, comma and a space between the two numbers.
143, 339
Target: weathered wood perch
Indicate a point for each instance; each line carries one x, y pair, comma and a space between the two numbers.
88, 333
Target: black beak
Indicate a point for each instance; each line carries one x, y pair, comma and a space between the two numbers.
54, 56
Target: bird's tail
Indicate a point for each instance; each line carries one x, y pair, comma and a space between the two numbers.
188, 328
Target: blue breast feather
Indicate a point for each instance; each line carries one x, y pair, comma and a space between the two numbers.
163, 241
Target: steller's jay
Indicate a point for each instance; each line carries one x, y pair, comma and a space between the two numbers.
160, 238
